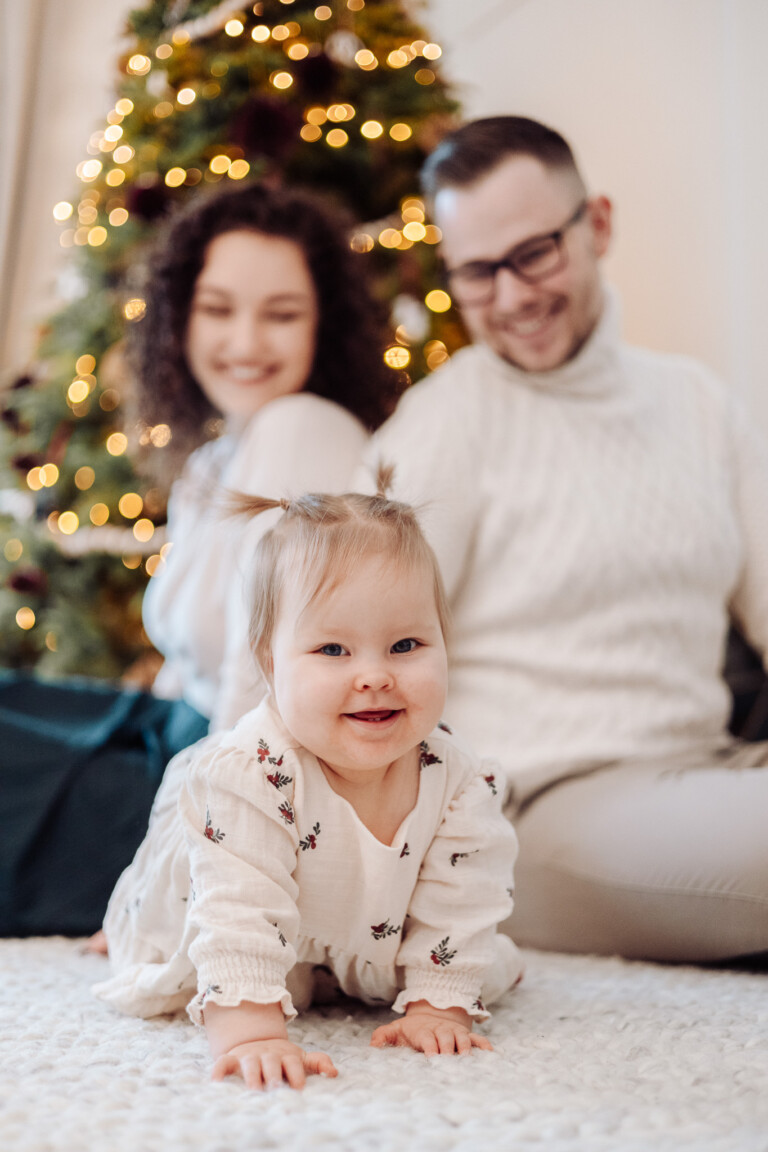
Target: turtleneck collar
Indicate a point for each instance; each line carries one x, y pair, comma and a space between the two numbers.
591, 372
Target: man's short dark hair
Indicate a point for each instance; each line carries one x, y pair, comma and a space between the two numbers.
475, 149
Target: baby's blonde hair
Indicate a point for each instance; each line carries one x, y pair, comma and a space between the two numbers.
318, 539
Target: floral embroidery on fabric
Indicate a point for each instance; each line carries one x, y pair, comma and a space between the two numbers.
216, 988
280, 936
462, 856
214, 834
286, 812
310, 840
426, 757
444, 727
379, 931
441, 955
406, 850
491, 782
277, 780
478, 1005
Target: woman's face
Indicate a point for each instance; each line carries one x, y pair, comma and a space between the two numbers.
252, 322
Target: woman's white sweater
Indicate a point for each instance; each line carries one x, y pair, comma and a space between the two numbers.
594, 525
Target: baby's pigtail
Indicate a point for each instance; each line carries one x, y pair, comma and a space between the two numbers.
385, 474
243, 504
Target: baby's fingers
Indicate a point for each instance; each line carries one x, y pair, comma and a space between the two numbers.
318, 1064
229, 1065
293, 1069
480, 1042
426, 1041
385, 1034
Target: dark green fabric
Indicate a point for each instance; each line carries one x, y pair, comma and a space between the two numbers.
80, 762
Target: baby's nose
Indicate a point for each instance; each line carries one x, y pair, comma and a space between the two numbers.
374, 678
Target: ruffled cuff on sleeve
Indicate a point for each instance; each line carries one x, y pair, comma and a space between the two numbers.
443, 990
230, 981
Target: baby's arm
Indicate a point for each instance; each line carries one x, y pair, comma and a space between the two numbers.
431, 1030
449, 945
252, 1040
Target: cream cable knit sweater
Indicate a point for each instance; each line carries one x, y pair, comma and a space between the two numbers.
594, 525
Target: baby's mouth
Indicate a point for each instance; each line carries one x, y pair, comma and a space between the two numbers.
374, 715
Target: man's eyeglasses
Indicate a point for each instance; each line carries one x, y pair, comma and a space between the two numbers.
531, 261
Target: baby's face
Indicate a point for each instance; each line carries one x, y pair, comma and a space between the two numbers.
359, 674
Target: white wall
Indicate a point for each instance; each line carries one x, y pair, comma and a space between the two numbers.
665, 102
57, 66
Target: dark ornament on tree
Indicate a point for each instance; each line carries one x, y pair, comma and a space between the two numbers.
27, 461
31, 581
11, 419
147, 203
317, 76
23, 381
264, 127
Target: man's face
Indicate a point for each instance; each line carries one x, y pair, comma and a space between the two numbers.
537, 326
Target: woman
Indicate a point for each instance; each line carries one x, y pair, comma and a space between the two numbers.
259, 322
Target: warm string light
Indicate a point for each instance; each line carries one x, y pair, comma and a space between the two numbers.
397, 357
84, 478
139, 65
13, 550
68, 523
134, 308
130, 505
437, 300
25, 618
45, 476
436, 354
158, 435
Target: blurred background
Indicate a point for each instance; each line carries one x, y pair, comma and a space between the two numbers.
664, 102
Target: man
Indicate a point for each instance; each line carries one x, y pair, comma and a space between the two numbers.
598, 511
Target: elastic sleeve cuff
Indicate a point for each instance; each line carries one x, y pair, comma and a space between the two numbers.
230, 979
232, 996
442, 993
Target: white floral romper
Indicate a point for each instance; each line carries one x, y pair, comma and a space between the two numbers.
254, 872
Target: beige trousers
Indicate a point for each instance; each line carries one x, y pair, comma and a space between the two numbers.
654, 861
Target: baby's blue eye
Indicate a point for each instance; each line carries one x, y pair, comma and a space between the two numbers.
332, 650
405, 646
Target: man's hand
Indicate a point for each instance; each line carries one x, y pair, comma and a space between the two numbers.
431, 1030
269, 1063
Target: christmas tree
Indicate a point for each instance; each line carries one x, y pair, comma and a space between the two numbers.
344, 98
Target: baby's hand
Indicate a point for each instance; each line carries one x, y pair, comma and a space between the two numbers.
267, 1063
431, 1031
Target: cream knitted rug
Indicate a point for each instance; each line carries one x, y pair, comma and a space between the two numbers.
590, 1055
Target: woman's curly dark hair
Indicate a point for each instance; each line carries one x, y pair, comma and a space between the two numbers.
352, 330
